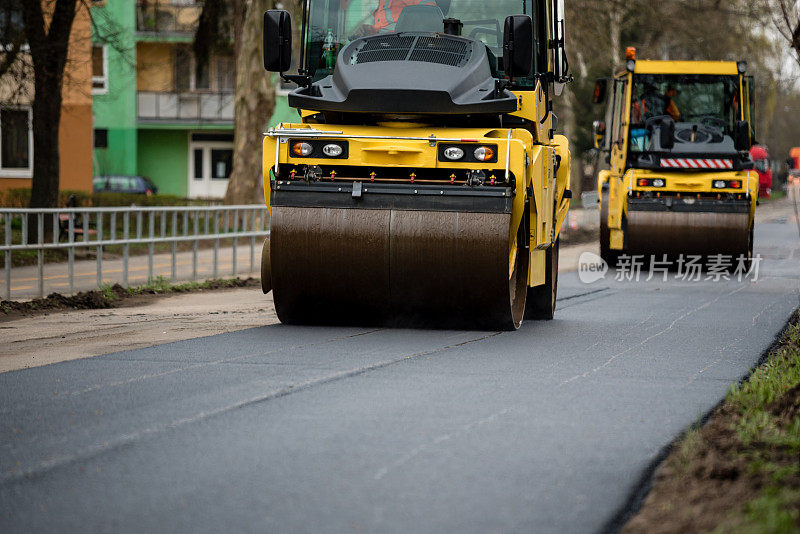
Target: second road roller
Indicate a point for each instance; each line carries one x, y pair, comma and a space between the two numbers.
424, 184
677, 136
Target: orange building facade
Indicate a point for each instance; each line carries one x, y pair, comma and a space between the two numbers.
75, 132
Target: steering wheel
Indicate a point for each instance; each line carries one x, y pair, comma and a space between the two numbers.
710, 120
703, 133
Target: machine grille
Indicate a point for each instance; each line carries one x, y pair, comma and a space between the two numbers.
439, 50
429, 49
389, 48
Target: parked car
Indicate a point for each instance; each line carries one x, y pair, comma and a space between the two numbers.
124, 184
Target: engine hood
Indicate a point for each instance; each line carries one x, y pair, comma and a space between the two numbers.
408, 73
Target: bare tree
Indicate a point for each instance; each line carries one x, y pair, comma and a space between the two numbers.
48, 39
254, 98
786, 17
39, 72
254, 103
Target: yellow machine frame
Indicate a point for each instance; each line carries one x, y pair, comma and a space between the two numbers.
412, 146
619, 182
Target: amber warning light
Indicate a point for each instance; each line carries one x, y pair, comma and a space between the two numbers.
630, 53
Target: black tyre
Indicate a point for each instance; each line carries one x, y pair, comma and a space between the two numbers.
609, 256
518, 283
266, 271
541, 303
748, 254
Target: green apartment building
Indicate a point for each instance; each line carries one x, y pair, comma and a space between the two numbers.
155, 115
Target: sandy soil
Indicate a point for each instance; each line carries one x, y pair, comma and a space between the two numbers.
60, 336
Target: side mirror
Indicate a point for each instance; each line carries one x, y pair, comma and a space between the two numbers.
599, 129
518, 45
560, 65
741, 136
600, 87
277, 40
666, 134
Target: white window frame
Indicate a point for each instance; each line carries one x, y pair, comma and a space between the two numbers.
104, 78
17, 172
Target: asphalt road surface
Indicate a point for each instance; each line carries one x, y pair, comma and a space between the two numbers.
286, 429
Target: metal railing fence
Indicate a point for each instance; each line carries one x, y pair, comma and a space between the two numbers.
123, 228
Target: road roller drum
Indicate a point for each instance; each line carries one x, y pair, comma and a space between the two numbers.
689, 233
398, 267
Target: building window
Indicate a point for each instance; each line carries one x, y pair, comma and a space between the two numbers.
99, 69
198, 163
221, 163
16, 142
217, 75
11, 25
183, 69
100, 138
225, 69
187, 78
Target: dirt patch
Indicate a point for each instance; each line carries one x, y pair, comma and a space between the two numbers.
741, 471
787, 407
112, 297
705, 489
141, 321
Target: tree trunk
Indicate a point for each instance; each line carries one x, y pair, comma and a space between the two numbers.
615, 34
49, 47
46, 157
254, 103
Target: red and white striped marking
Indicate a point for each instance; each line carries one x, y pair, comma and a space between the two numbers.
694, 163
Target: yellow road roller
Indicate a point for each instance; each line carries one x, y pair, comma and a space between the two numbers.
425, 184
676, 136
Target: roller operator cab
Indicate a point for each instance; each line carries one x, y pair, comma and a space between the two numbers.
677, 136
424, 185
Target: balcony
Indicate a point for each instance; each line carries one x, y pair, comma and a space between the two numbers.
170, 17
190, 108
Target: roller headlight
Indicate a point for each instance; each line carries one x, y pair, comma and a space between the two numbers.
453, 153
720, 184
651, 182
483, 153
302, 148
332, 150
